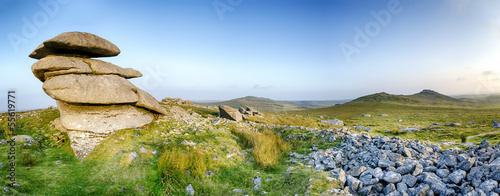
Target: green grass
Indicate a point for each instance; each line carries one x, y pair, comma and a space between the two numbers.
414, 116
107, 170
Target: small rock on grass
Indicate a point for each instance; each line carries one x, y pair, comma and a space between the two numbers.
189, 190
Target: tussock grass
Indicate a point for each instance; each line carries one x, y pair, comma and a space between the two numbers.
176, 161
267, 146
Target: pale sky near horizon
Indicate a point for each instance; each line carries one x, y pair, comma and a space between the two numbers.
279, 49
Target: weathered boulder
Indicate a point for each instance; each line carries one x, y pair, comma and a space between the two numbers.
149, 102
178, 112
229, 113
59, 65
76, 44
105, 68
102, 119
62, 65
91, 89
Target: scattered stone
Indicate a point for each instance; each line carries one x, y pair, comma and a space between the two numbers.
238, 190
257, 180
57, 162
384, 115
185, 142
453, 124
189, 190
471, 123
336, 122
209, 173
392, 177
484, 144
496, 124
229, 113
366, 115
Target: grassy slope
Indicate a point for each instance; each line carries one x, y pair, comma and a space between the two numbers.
106, 170
414, 116
261, 104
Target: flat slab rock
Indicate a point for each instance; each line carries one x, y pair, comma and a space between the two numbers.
91, 89
76, 44
102, 119
149, 102
61, 65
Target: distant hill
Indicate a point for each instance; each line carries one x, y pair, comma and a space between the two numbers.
425, 97
483, 99
259, 103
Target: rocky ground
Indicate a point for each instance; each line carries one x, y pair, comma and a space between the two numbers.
375, 165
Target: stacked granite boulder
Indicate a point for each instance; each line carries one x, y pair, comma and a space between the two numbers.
94, 97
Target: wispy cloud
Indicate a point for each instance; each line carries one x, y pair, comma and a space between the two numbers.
260, 87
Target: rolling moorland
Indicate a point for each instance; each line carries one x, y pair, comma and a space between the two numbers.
220, 157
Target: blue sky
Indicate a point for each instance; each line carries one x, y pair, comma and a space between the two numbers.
280, 49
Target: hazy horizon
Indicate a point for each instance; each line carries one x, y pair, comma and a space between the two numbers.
282, 50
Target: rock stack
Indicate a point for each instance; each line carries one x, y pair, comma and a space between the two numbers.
94, 97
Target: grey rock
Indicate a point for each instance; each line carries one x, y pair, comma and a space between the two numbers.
384, 115
466, 164
383, 163
366, 190
484, 144
392, 177
430, 169
256, 187
257, 180
353, 183
496, 124
368, 180
331, 139
377, 173
418, 169
442, 173
457, 176
356, 171
406, 168
59, 65
229, 113
147, 101
489, 185
437, 186
91, 89
495, 175
238, 190
422, 190
453, 124
409, 180
23, 139
336, 122
76, 44
189, 190
389, 188
402, 187
341, 175
407, 152
448, 160
102, 119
